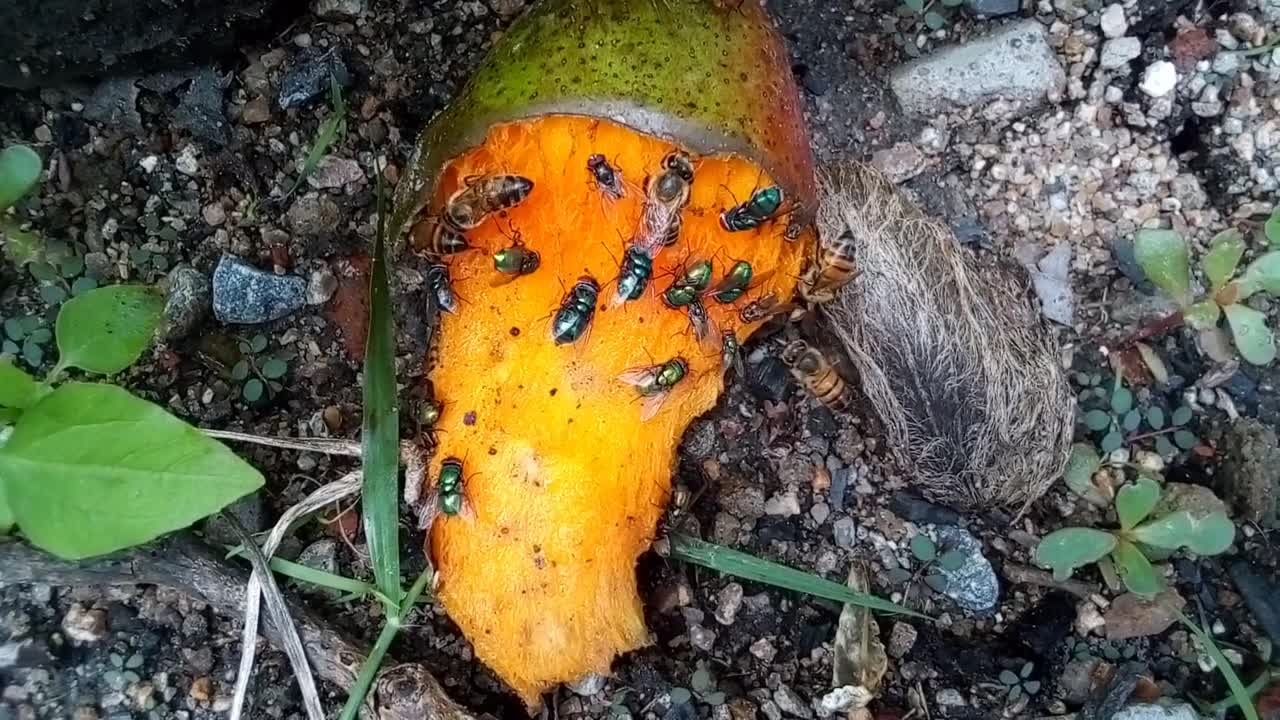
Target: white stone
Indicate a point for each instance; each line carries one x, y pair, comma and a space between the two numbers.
187, 163
1157, 712
785, 504
149, 163
1113, 22
1118, 52
1226, 63
1159, 79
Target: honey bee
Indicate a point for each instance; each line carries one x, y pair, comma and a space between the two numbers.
831, 270
763, 308
437, 237
484, 195
654, 383
815, 372
666, 195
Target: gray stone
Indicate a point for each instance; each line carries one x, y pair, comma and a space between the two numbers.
784, 504
992, 8
1118, 52
1250, 456
1113, 23
335, 9
314, 215
973, 585
1015, 63
1182, 711
843, 532
1159, 79
308, 76
186, 305
702, 638
728, 602
899, 163
200, 110
588, 684
244, 294
901, 639
335, 172
320, 555
790, 703
114, 103
250, 513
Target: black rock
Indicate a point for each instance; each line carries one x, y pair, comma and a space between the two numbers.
201, 109
916, 509
683, 711
25, 653
822, 423
816, 83
992, 8
114, 103
969, 231
308, 76
50, 41
1261, 594
769, 379
1042, 628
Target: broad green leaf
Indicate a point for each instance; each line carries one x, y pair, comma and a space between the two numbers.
1121, 401
1202, 315
1262, 275
1272, 228
91, 469
274, 369
1081, 465
1136, 570
1162, 254
1253, 338
1219, 264
1164, 447
1135, 501
253, 390
20, 168
17, 389
105, 330
1097, 420
1069, 548
923, 548
750, 567
1207, 535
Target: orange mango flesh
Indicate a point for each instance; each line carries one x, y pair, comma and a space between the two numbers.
564, 483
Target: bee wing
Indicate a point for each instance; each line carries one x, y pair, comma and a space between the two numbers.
652, 405
637, 376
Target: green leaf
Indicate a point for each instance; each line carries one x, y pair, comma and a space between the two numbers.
274, 369
1243, 698
1135, 501
1164, 447
1069, 548
1185, 439
1272, 228
380, 438
252, 390
21, 246
83, 285
937, 581
258, 343
105, 330
1207, 535
750, 567
952, 3
1220, 263
1162, 254
1202, 315
6, 515
916, 6
240, 371
1136, 570
91, 469
20, 168
52, 294
1262, 274
1112, 441
1008, 677
72, 266
1182, 415
1132, 420
18, 389
952, 560
1032, 687
1253, 338
1155, 418
1097, 420
923, 548
934, 20
1081, 465
1121, 401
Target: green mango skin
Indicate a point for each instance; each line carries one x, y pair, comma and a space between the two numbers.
713, 80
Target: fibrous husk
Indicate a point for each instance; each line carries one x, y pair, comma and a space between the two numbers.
951, 350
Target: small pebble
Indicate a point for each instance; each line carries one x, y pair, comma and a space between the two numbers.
728, 602
790, 703
784, 504
1159, 79
701, 638
243, 294
83, 625
321, 286
844, 532
901, 639
763, 650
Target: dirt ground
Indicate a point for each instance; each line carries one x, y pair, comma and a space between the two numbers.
160, 172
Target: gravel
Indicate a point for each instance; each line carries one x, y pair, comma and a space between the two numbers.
243, 294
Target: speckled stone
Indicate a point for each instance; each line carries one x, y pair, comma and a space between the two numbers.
244, 294
973, 585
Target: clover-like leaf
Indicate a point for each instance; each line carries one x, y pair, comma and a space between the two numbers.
923, 548
1131, 421
1224, 255
20, 168
1182, 415
1081, 465
1097, 420
1121, 401
1155, 418
916, 6
1202, 315
1262, 275
1253, 338
952, 560
1135, 501
935, 20
1162, 255
1112, 441
105, 330
1139, 576
1185, 439
1062, 551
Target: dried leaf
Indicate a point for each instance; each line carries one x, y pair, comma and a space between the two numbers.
860, 659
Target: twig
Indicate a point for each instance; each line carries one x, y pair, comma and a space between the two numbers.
183, 562
322, 496
1034, 576
280, 613
325, 446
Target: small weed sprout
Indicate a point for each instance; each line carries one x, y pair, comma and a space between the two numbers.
1162, 254
915, 16
1136, 541
260, 373
1118, 419
1020, 683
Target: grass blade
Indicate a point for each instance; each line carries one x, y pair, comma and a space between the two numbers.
369, 670
330, 130
380, 438
750, 567
1243, 699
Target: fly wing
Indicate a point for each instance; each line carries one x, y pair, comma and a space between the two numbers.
428, 509
652, 405
638, 376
